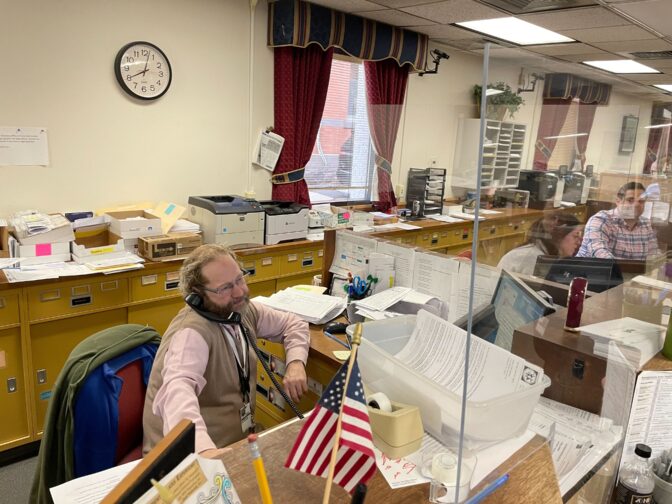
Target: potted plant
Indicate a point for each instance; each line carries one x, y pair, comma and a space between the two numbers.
498, 104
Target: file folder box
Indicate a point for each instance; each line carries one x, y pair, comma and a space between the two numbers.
487, 422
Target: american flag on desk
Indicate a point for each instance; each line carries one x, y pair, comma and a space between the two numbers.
356, 462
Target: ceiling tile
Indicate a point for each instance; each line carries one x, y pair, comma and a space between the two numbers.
609, 34
349, 5
446, 32
651, 78
454, 11
634, 45
575, 19
466, 44
664, 65
654, 13
395, 18
395, 4
561, 49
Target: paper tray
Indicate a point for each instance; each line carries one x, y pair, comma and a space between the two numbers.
487, 422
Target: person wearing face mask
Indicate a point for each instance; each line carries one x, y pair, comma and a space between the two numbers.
621, 233
556, 235
204, 370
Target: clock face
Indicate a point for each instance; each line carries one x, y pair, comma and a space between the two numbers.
142, 70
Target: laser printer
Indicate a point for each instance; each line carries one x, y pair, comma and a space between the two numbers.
542, 186
285, 220
230, 220
573, 192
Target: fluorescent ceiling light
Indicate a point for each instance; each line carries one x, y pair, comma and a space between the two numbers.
665, 87
621, 66
493, 92
515, 30
567, 136
658, 126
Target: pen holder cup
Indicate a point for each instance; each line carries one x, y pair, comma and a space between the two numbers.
398, 432
662, 492
441, 468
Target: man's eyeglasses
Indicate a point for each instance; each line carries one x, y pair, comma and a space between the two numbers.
227, 288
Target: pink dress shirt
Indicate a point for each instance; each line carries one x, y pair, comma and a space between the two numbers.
187, 357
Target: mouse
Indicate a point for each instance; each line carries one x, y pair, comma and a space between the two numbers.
335, 327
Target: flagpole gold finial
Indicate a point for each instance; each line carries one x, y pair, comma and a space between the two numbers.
357, 334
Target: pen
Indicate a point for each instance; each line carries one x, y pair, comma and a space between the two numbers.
331, 336
258, 465
488, 490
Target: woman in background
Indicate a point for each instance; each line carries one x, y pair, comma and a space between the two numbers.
559, 236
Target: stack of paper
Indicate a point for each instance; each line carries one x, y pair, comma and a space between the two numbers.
185, 226
311, 307
124, 262
637, 340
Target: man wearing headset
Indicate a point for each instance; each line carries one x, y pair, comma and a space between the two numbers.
205, 370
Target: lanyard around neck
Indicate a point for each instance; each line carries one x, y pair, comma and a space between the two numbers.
243, 372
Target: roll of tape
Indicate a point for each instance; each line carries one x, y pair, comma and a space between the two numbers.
379, 401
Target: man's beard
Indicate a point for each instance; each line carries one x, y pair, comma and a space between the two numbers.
226, 310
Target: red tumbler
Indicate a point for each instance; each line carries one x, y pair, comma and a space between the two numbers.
577, 293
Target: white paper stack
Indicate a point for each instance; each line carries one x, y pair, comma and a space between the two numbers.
185, 226
637, 340
313, 308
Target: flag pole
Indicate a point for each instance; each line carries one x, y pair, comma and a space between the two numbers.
356, 340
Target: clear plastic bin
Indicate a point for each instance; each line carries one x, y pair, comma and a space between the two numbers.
487, 422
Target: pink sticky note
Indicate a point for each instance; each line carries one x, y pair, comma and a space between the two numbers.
43, 249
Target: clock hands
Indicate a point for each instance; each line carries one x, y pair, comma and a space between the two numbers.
135, 75
146, 63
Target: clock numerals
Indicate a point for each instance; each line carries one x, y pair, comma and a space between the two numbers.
137, 76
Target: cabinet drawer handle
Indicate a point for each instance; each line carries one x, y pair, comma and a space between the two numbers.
291, 257
109, 286
171, 285
307, 262
80, 290
81, 300
148, 280
52, 295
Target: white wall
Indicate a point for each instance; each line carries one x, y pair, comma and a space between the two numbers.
106, 148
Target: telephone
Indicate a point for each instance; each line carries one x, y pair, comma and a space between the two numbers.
195, 302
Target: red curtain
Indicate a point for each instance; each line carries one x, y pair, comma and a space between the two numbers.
553, 114
300, 88
584, 125
385, 91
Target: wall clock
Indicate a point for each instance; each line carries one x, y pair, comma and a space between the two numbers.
143, 70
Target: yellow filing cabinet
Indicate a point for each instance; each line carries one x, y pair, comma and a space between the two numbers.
62, 299
155, 285
51, 344
9, 308
307, 279
265, 288
298, 261
15, 426
158, 314
434, 239
261, 267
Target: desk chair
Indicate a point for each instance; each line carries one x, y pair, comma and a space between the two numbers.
94, 418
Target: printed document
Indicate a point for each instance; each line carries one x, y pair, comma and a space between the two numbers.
404, 258
91, 489
268, 150
436, 350
23, 146
351, 254
484, 287
436, 275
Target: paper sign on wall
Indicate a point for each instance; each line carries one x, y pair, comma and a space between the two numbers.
268, 150
24, 146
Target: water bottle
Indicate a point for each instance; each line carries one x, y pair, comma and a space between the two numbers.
635, 483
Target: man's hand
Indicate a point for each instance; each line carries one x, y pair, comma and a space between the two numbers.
295, 380
214, 453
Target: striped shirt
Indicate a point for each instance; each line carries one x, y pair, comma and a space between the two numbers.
608, 236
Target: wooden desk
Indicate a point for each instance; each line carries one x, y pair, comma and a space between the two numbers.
532, 477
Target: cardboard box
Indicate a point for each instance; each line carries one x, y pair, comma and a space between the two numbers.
44, 253
134, 224
61, 232
4, 241
169, 246
338, 218
96, 242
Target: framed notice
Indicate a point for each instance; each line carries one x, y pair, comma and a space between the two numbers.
628, 134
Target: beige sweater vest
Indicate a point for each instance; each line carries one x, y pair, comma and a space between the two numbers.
220, 400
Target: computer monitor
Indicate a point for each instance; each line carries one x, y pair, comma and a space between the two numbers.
513, 304
602, 274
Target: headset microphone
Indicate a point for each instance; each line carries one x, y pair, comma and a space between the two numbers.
195, 302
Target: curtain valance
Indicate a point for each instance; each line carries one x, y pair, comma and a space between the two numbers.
299, 24
564, 85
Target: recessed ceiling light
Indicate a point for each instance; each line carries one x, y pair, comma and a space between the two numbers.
664, 87
515, 30
621, 66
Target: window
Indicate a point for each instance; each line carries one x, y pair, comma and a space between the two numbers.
565, 149
342, 163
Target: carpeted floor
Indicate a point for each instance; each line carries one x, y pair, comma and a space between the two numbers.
15, 481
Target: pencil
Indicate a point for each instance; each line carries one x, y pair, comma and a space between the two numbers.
488, 490
259, 470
